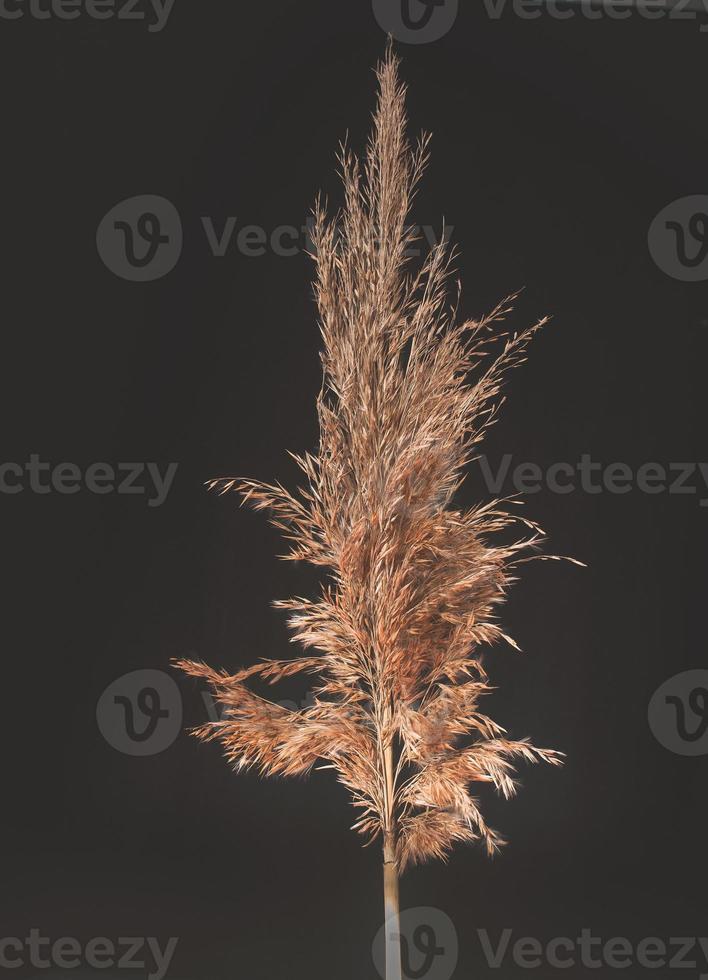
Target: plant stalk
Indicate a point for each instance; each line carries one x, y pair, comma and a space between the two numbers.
392, 926
392, 915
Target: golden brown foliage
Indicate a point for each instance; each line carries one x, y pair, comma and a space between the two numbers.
413, 582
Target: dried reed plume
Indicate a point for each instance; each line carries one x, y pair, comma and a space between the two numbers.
413, 583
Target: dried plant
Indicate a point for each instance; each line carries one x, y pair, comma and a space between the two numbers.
413, 583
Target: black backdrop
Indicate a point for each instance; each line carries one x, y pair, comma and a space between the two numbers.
555, 145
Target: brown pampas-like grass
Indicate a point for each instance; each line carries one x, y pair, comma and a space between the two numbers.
412, 581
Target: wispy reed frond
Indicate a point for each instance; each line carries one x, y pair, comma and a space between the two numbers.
414, 581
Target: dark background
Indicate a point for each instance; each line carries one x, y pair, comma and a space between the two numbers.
555, 144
